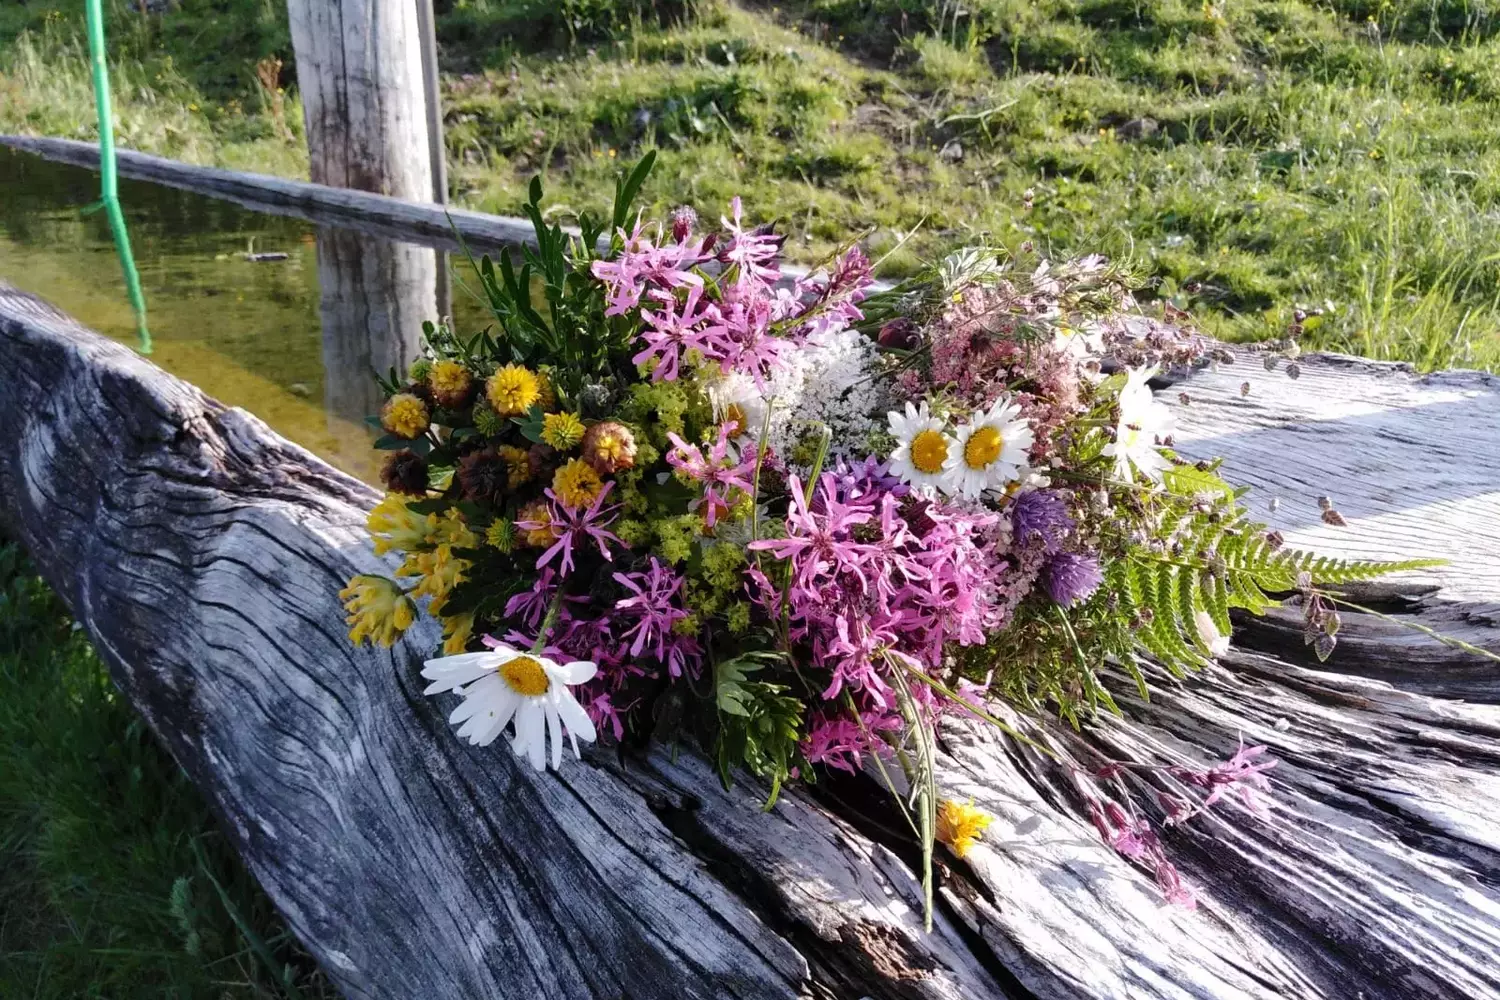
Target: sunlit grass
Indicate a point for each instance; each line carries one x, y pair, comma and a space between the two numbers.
1254, 158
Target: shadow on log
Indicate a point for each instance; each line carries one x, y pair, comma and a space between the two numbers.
203, 554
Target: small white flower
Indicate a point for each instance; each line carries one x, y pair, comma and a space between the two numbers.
502, 684
1215, 641
736, 399
1142, 420
922, 447
990, 450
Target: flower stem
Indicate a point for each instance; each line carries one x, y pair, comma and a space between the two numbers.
547, 622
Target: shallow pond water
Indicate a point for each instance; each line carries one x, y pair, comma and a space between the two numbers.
291, 340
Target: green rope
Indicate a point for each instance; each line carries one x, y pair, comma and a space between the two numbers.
109, 189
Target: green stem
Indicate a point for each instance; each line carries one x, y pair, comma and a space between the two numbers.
1431, 633
547, 622
925, 784
109, 184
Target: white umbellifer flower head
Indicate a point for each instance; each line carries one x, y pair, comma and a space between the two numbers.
504, 683
1142, 419
922, 447
990, 450
1216, 642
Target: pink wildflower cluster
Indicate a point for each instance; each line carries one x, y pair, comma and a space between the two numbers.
718, 472
1241, 777
633, 639
750, 325
878, 582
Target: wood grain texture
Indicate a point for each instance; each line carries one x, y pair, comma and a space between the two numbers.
203, 554
359, 70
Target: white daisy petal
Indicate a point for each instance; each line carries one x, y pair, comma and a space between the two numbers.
531, 734
448, 672
577, 672
576, 719
510, 687
554, 732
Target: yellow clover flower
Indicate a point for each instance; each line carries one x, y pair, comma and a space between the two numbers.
960, 824
394, 525
513, 390
404, 415
379, 610
576, 483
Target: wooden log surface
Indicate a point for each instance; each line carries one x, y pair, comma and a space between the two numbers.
203, 554
375, 214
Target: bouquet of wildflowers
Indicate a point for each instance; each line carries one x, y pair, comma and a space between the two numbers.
674, 493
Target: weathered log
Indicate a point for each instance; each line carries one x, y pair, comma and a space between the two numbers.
375, 214
203, 553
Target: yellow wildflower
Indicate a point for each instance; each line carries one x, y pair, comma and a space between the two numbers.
457, 631
453, 530
440, 571
379, 610
517, 464
959, 825
546, 395
450, 383
562, 430
513, 390
404, 415
449, 376
537, 513
394, 525
576, 483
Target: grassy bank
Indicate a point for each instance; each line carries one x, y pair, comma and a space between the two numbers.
114, 880
1255, 158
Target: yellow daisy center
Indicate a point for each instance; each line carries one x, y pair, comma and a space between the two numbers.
929, 450
983, 447
525, 676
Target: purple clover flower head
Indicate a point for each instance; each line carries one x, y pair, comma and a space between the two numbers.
1041, 516
1072, 577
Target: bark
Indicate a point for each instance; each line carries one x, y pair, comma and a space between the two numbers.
203, 554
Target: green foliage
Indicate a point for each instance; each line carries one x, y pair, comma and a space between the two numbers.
575, 338
1216, 559
114, 879
759, 722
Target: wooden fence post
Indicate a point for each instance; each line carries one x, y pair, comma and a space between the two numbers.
364, 90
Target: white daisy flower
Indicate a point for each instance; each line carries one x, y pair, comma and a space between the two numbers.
922, 447
737, 401
1142, 420
990, 450
502, 684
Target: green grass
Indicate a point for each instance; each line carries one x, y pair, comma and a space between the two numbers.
114, 880
1253, 158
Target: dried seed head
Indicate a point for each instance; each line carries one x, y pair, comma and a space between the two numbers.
1184, 399
405, 471
1270, 361
1275, 540
1244, 388
1293, 370
1325, 503
1334, 518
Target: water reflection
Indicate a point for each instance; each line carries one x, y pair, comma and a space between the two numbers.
294, 341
